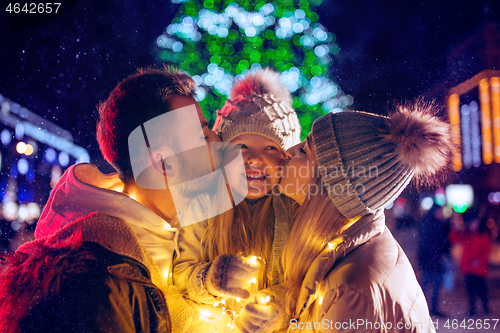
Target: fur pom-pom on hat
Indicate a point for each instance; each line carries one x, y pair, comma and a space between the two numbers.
260, 104
422, 141
262, 82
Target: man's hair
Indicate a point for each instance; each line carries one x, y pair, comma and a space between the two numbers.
137, 99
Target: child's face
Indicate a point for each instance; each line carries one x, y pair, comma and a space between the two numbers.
263, 160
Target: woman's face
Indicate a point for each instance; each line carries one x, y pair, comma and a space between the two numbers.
299, 172
263, 163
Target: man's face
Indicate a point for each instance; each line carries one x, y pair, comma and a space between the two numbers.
179, 101
177, 151
192, 163
172, 147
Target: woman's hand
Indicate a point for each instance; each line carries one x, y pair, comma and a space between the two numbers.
260, 316
229, 276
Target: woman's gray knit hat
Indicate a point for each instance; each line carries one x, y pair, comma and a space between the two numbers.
259, 104
367, 160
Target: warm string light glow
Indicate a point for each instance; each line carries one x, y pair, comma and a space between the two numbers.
227, 313
253, 260
205, 315
118, 187
264, 300
226, 310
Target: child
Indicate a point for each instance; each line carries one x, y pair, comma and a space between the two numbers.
260, 119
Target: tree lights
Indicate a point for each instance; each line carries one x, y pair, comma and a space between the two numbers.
217, 41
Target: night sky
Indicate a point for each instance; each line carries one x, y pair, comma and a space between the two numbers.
389, 50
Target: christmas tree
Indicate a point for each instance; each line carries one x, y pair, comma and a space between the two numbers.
216, 41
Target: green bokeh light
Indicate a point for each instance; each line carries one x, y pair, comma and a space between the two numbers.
228, 49
460, 208
255, 56
257, 41
233, 34
215, 59
208, 3
214, 49
316, 70
227, 66
244, 64
281, 52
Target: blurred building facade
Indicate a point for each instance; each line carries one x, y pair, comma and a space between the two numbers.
34, 153
471, 93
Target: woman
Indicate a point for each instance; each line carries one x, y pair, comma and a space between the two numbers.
343, 268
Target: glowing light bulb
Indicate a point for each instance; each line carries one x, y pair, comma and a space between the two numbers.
29, 150
253, 260
21, 147
204, 315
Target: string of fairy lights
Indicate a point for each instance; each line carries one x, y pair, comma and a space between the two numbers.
217, 41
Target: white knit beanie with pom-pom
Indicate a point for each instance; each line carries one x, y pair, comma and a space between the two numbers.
367, 160
259, 104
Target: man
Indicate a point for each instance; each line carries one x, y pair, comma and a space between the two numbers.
104, 243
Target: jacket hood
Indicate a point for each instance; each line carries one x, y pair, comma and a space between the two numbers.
366, 228
83, 190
